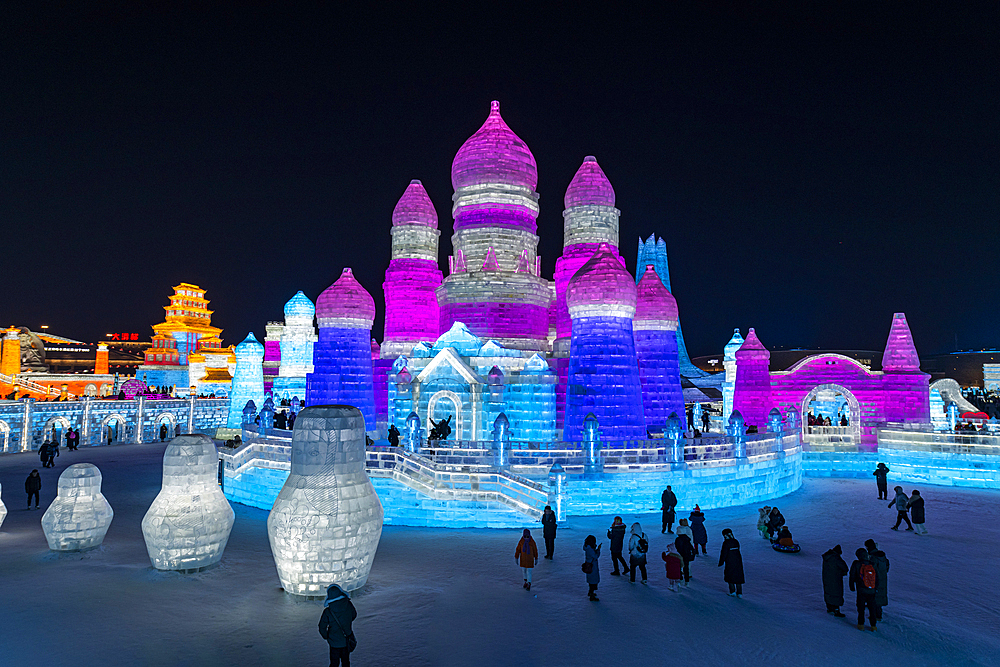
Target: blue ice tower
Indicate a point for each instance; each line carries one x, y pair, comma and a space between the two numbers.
655, 327
342, 358
603, 376
248, 379
298, 337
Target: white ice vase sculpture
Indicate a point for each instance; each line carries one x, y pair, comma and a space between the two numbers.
325, 524
187, 526
3, 508
80, 515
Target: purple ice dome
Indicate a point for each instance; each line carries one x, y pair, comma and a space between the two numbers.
346, 304
654, 302
494, 154
415, 207
589, 187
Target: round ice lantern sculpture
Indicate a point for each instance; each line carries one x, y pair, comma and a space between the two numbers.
188, 524
80, 515
325, 524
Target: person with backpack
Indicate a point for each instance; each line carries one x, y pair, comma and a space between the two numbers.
32, 485
834, 570
549, 531
591, 554
616, 533
526, 555
881, 470
43, 454
916, 506
685, 548
698, 533
881, 563
52, 454
731, 557
864, 579
335, 625
901, 501
668, 503
674, 563
638, 545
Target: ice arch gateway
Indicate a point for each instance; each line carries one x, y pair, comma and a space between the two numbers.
899, 393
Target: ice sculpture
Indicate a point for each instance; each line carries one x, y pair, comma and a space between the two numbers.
3, 508
188, 524
752, 393
729, 364
655, 331
603, 377
342, 359
80, 515
248, 379
297, 338
326, 523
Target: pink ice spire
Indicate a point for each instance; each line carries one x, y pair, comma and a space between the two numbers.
415, 207
602, 287
752, 348
655, 304
589, 187
494, 154
345, 304
900, 354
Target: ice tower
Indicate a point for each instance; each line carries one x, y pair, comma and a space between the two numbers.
752, 393
411, 307
298, 337
603, 375
342, 359
494, 284
729, 364
655, 329
906, 388
248, 379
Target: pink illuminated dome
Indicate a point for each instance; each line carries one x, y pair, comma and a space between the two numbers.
415, 207
494, 154
589, 187
602, 287
752, 347
345, 303
654, 302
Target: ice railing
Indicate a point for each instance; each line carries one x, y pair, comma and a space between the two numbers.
981, 444
257, 453
448, 482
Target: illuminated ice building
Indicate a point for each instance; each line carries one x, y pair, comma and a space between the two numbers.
288, 350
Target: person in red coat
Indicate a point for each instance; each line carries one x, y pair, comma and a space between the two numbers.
675, 566
526, 555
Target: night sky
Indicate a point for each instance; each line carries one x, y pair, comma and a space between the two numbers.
811, 172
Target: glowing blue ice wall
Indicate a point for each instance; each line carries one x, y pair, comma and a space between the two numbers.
248, 379
661, 380
604, 379
531, 402
342, 374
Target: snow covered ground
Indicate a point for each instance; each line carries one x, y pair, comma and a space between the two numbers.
454, 597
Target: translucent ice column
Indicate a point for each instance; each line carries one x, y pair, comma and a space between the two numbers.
326, 523
80, 515
248, 379
729, 364
188, 524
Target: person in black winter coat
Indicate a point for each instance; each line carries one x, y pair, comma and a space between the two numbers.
616, 533
878, 558
43, 454
668, 503
730, 557
866, 591
698, 533
774, 521
834, 570
916, 507
335, 625
32, 486
881, 470
687, 552
549, 531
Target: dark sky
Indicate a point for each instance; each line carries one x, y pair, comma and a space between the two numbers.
812, 171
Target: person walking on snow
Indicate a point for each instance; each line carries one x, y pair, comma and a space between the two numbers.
43, 454
53, 453
638, 545
864, 579
526, 554
834, 570
731, 557
878, 559
901, 501
668, 503
674, 563
591, 554
698, 533
685, 549
616, 533
549, 531
335, 625
881, 470
32, 486
916, 506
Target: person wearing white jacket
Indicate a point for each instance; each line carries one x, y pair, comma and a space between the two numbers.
638, 545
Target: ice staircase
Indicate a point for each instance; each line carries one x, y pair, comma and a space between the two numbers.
32, 387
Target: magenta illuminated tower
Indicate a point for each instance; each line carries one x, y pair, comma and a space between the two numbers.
494, 285
603, 375
411, 306
907, 395
752, 393
655, 330
342, 358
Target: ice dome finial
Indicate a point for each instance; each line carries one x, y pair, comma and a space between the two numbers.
250, 346
602, 287
345, 304
299, 306
415, 207
589, 187
494, 154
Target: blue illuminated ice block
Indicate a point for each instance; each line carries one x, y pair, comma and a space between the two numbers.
248, 379
655, 326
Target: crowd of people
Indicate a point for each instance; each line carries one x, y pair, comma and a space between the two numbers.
820, 420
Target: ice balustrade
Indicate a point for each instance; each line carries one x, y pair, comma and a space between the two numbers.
980, 444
